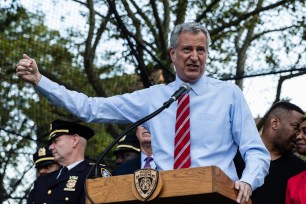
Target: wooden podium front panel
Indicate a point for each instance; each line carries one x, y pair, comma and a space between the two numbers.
184, 182
110, 189
178, 186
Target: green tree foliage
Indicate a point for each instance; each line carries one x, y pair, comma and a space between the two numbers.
25, 117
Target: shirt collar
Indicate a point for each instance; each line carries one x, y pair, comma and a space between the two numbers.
197, 87
143, 156
74, 164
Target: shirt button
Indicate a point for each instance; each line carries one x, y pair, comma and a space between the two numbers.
66, 199
49, 192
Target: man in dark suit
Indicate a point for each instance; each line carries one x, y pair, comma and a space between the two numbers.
146, 158
67, 142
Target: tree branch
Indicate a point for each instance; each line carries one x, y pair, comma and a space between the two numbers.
147, 21
278, 92
125, 33
180, 11
159, 26
100, 31
246, 16
207, 10
258, 35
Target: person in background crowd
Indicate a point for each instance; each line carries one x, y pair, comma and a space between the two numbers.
144, 138
281, 125
44, 161
68, 142
296, 186
205, 127
146, 158
128, 148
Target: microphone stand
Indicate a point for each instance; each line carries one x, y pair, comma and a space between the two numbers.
127, 130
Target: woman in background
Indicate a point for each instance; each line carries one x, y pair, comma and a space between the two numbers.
296, 186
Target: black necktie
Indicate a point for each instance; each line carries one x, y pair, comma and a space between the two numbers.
62, 172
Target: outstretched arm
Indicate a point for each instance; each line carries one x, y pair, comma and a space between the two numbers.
27, 70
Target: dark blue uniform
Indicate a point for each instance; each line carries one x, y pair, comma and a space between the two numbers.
128, 167
68, 188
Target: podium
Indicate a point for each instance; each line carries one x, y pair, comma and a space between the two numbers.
194, 185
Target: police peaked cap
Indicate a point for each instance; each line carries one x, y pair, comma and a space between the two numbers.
43, 157
128, 142
60, 127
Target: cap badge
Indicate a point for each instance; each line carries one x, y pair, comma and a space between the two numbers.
41, 152
122, 139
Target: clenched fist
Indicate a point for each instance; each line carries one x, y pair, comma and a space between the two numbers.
27, 70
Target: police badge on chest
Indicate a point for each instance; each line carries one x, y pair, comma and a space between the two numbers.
71, 183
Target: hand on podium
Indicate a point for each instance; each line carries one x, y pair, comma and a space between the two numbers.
245, 191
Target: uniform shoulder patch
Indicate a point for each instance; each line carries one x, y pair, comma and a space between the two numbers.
105, 172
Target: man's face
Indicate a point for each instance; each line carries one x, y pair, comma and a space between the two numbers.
62, 148
301, 139
189, 56
287, 131
143, 135
47, 169
123, 156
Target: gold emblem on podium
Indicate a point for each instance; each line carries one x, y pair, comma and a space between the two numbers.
145, 181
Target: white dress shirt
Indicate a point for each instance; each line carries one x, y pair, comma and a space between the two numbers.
143, 161
219, 116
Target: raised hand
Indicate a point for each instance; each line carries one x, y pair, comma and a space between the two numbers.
27, 70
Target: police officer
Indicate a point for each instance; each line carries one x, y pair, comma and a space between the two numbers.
128, 148
67, 143
44, 161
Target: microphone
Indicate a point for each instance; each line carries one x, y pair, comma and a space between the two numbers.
184, 89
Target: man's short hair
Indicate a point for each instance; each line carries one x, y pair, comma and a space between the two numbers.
280, 107
285, 105
190, 27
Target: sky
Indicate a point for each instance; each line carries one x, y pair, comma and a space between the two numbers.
259, 91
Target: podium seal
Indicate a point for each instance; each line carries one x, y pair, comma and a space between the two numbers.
145, 184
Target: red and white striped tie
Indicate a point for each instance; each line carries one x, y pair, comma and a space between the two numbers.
182, 134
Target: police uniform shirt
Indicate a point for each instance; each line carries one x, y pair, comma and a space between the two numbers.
68, 167
68, 188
